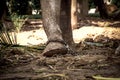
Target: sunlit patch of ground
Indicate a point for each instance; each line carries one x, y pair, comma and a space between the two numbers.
86, 32
33, 37
93, 31
36, 37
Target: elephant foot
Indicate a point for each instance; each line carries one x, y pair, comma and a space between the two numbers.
54, 48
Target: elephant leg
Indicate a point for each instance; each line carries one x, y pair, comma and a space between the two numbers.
51, 24
65, 22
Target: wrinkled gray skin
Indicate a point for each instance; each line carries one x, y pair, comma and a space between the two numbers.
65, 22
51, 15
56, 23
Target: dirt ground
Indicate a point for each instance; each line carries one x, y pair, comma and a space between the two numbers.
96, 41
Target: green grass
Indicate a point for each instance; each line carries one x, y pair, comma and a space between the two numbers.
94, 15
34, 16
29, 16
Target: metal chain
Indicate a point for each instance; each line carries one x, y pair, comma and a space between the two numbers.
70, 51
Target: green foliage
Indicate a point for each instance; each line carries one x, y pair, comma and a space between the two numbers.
34, 16
95, 15
19, 6
91, 4
116, 2
23, 7
36, 4
18, 21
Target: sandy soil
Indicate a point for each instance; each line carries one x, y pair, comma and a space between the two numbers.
35, 37
33, 34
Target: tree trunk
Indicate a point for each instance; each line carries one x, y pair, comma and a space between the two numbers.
82, 8
65, 22
102, 9
85, 7
74, 14
3, 9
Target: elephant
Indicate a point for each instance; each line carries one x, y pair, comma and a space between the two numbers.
57, 25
